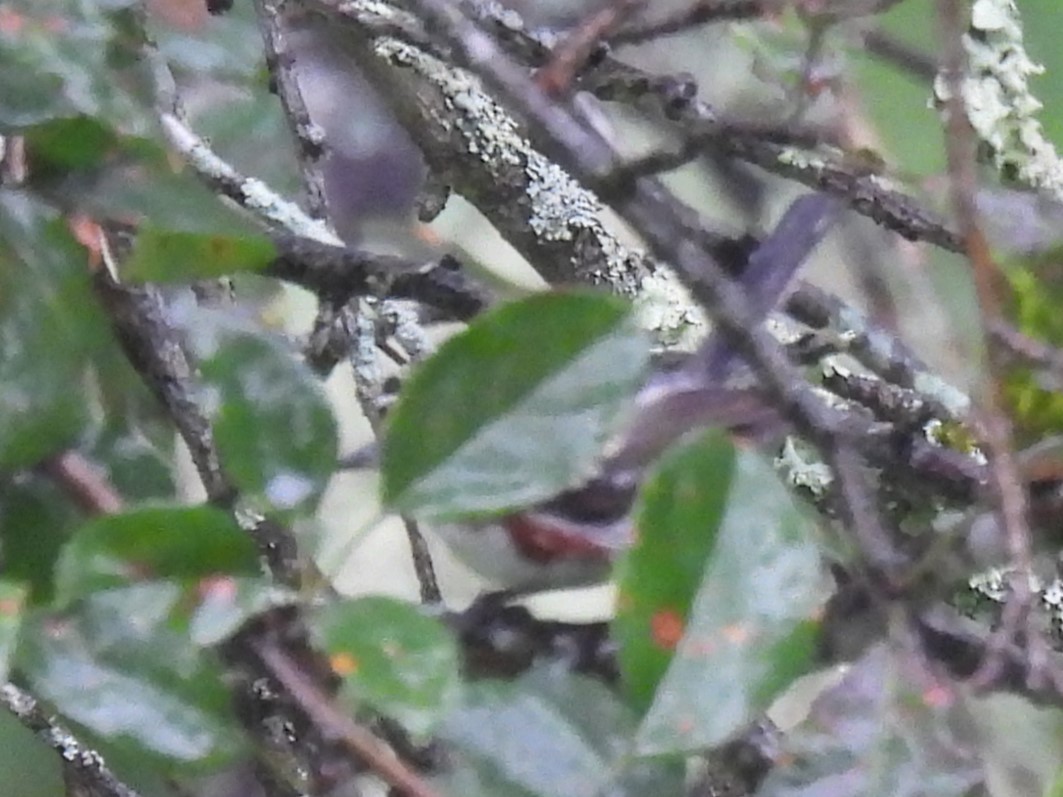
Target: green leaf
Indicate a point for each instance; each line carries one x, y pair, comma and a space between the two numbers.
12, 600
116, 667
680, 511
391, 656
876, 733
108, 174
751, 630
187, 543
30, 769
273, 425
228, 603
515, 408
138, 469
36, 520
48, 325
63, 144
168, 255
551, 733
64, 58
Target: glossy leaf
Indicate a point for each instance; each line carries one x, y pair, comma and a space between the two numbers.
887, 728
143, 187
48, 323
12, 601
35, 522
167, 255
78, 142
115, 666
515, 408
30, 769
391, 657
273, 424
551, 733
679, 514
187, 543
108, 174
751, 630
139, 469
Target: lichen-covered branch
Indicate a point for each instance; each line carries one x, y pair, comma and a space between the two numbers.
997, 99
471, 142
84, 770
674, 99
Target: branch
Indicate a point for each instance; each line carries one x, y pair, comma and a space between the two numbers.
155, 351
309, 138
699, 12
338, 726
473, 144
674, 98
84, 482
1009, 495
338, 273
84, 770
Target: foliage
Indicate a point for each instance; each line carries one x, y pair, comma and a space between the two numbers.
136, 609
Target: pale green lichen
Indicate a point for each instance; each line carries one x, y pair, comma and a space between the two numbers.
665, 307
801, 468
991, 588
799, 158
997, 97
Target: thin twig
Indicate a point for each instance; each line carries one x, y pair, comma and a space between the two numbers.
338, 273
423, 566
335, 724
1033, 352
1004, 473
885, 565
571, 55
85, 482
699, 12
651, 210
156, 352
309, 138
676, 101
697, 141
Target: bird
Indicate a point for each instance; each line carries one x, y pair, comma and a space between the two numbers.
573, 539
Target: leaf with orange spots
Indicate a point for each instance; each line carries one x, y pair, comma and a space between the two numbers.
392, 657
679, 512
666, 629
343, 664
890, 726
751, 625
